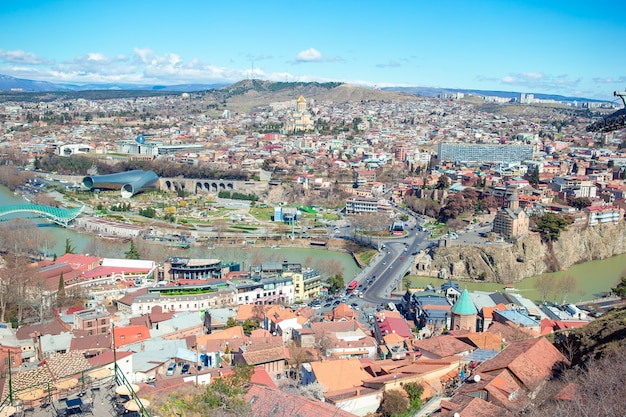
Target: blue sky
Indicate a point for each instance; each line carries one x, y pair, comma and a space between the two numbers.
573, 48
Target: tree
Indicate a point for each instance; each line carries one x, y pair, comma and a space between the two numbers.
534, 177
579, 202
61, 291
336, 283
249, 326
68, 246
394, 402
414, 391
545, 285
132, 252
620, 288
550, 225
231, 322
566, 284
443, 182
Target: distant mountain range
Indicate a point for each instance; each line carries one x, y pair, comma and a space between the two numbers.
434, 92
9, 83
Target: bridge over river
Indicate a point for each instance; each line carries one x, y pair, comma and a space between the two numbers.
61, 216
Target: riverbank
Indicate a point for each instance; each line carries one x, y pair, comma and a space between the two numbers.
530, 256
593, 280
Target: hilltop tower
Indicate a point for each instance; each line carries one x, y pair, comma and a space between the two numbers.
463, 313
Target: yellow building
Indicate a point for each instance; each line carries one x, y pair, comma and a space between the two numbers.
306, 284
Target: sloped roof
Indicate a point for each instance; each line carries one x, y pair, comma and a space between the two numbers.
340, 374
49, 327
130, 334
443, 346
464, 305
99, 341
65, 364
530, 361
267, 401
472, 406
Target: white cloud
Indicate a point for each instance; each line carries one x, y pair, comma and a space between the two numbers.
389, 64
22, 57
531, 75
609, 80
309, 55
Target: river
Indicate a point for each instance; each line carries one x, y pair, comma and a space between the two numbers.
593, 278
87, 243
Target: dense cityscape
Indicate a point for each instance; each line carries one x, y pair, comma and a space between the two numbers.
461, 217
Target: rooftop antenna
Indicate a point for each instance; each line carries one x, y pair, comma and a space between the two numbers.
620, 94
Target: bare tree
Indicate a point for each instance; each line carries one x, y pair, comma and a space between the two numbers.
566, 285
545, 285
220, 226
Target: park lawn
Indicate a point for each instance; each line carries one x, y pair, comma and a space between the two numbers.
262, 214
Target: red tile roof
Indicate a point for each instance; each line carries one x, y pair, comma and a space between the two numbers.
130, 334
266, 401
530, 361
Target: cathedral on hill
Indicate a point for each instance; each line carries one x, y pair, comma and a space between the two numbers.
300, 120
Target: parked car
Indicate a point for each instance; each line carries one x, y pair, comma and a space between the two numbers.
171, 369
185, 369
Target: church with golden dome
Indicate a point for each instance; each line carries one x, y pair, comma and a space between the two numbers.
300, 120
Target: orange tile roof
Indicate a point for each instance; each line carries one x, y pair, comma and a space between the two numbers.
340, 374
487, 312
225, 334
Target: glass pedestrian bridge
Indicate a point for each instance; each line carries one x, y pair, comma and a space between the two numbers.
61, 216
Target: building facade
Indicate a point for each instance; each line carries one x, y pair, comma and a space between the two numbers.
484, 152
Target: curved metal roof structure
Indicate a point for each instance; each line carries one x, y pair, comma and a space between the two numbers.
129, 182
60, 216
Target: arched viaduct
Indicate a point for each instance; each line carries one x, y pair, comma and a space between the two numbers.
210, 186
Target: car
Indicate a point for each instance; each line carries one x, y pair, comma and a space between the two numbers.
337, 302
171, 369
316, 306
384, 262
185, 369
327, 305
353, 305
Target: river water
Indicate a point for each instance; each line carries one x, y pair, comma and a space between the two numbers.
83, 243
593, 278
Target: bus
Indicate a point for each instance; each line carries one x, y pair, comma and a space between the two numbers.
352, 286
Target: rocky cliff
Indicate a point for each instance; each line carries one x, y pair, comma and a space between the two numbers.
529, 256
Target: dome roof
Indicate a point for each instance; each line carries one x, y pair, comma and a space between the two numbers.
464, 305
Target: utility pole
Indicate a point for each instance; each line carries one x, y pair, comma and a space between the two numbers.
10, 378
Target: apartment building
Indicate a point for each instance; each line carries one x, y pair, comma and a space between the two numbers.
93, 321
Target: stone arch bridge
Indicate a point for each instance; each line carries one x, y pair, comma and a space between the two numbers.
210, 186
